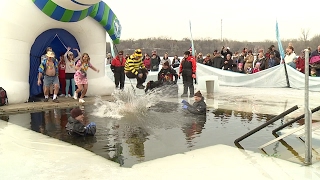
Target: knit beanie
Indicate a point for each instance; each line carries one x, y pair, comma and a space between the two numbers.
198, 94
75, 112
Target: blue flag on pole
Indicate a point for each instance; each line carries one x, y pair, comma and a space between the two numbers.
192, 45
281, 51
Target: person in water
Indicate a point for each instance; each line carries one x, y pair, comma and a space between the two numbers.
76, 124
198, 107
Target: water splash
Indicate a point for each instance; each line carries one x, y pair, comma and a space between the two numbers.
127, 103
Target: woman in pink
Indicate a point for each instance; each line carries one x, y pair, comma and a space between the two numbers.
80, 77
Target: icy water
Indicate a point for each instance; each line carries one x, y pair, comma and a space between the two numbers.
161, 130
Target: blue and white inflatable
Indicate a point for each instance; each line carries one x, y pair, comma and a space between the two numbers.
29, 26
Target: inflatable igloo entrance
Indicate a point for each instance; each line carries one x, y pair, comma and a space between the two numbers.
28, 27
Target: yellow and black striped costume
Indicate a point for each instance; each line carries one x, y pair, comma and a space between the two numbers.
133, 65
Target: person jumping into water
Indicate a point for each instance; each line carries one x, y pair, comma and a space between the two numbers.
134, 68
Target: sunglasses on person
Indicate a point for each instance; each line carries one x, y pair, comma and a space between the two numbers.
120, 54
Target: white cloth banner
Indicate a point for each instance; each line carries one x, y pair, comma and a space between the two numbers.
269, 78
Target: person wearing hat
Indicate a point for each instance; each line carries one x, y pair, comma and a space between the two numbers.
76, 124
134, 68
49, 69
187, 69
198, 107
117, 67
44, 56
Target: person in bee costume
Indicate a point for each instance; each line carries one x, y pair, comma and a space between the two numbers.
134, 68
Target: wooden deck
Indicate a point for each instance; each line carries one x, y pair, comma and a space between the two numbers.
40, 106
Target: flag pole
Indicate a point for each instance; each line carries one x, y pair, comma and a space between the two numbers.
193, 50
281, 51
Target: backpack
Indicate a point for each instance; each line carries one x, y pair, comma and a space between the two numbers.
3, 97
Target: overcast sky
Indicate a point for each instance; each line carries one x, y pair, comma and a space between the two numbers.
241, 20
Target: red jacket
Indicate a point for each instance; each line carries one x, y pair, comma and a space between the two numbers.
147, 63
300, 64
117, 65
193, 62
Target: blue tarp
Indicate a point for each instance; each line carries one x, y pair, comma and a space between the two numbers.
58, 39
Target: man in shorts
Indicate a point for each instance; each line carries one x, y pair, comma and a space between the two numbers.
49, 70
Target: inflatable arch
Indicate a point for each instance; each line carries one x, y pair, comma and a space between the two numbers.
29, 26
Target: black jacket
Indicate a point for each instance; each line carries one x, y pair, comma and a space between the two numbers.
168, 73
198, 107
217, 62
75, 127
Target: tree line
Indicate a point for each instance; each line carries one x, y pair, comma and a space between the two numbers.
178, 47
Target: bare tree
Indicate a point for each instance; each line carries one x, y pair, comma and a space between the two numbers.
305, 34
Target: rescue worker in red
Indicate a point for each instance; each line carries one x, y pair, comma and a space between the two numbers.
117, 67
187, 69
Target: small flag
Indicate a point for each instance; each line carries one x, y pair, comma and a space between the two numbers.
281, 51
192, 45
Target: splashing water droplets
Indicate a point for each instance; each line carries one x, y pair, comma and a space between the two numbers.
126, 103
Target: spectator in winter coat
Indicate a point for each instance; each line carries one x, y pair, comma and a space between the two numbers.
316, 52
76, 124
300, 62
155, 61
200, 58
225, 51
165, 59
147, 62
276, 53
217, 61
272, 60
198, 107
167, 74
248, 62
176, 61
207, 60
227, 64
